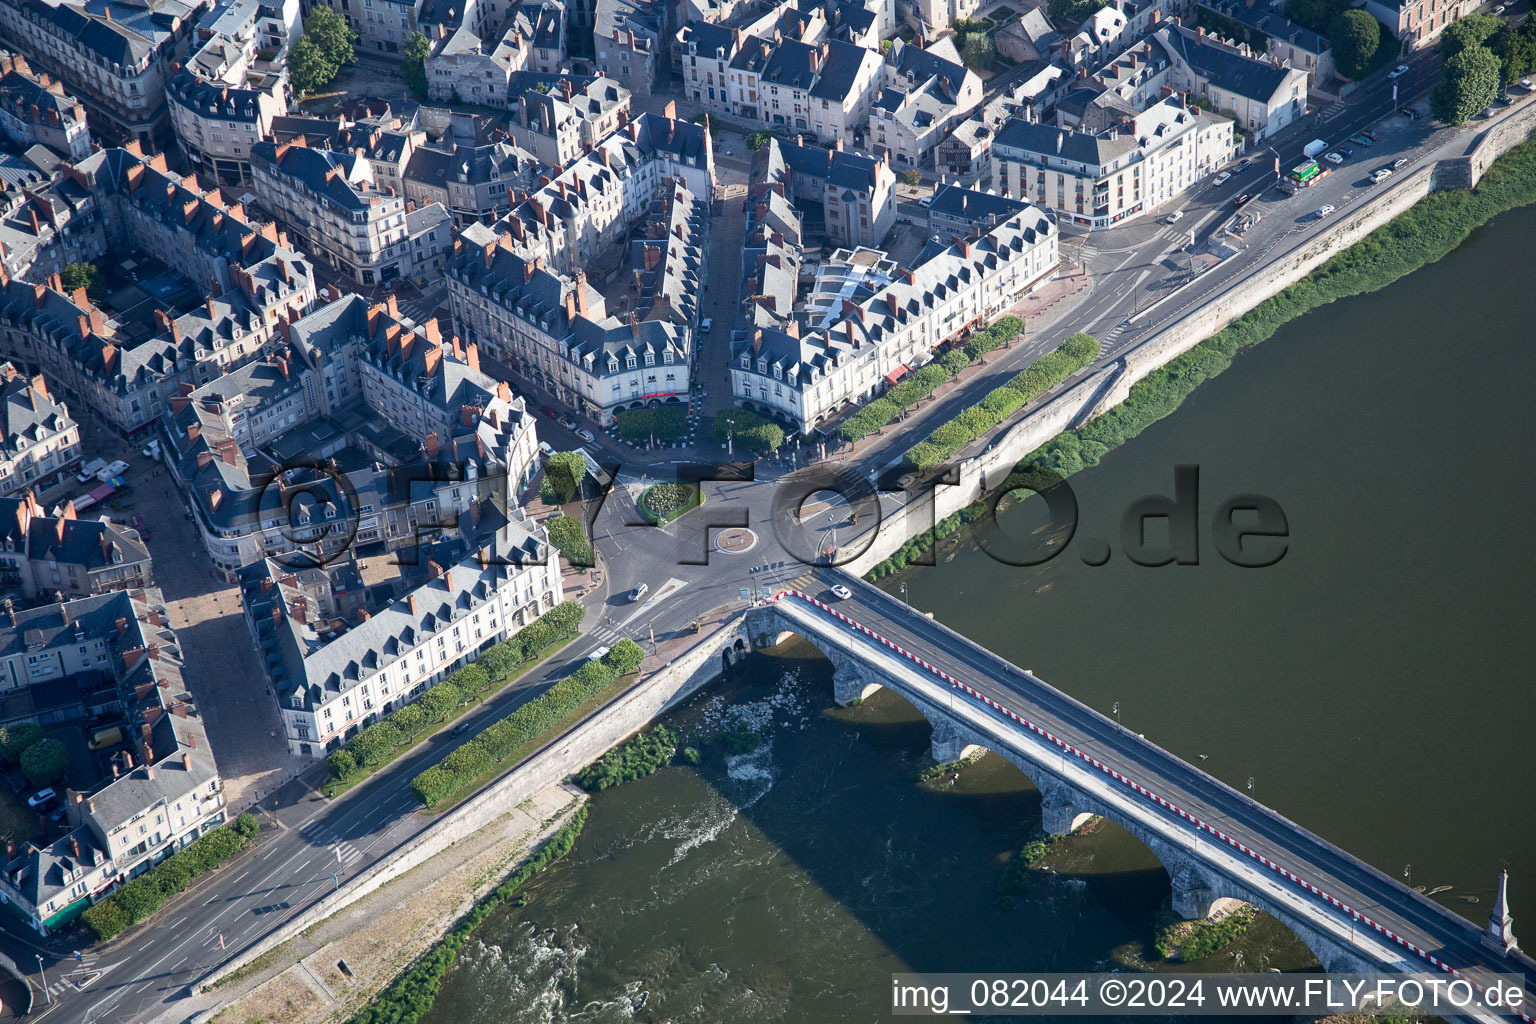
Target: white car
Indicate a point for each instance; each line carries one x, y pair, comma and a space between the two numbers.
586, 435
1498, 10
1174, 217
842, 593
1398, 72
925, 202
706, 325
1222, 178
546, 449
1334, 158
1380, 175
598, 654
1324, 211
151, 450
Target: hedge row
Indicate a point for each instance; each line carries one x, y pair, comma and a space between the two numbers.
477, 757
411, 995
924, 381
1434, 227
140, 898
748, 431
666, 423
1004, 400
570, 539
380, 742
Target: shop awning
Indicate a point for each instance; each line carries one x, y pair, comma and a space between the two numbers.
898, 373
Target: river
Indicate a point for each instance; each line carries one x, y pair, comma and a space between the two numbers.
1374, 685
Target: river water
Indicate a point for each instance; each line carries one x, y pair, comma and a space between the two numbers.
1374, 684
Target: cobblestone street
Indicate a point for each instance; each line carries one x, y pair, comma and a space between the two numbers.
222, 669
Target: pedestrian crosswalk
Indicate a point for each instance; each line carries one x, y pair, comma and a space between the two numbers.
607, 634
1087, 254
1333, 110
417, 310
1173, 233
318, 834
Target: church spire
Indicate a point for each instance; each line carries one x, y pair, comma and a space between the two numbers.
1500, 934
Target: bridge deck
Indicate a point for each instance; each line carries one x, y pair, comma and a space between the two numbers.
1336, 886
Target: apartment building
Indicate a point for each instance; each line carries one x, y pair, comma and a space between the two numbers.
41, 441
473, 183
226, 96
804, 374
396, 394
165, 790
1262, 97
35, 110
55, 557
225, 285
329, 200
558, 330
924, 96
626, 41
857, 193
826, 89
463, 67
1418, 23
115, 58
336, 676
1102, 179
558, 118
1271, 34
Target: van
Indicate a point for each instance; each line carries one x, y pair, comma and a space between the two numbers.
90, 469
105, 738
639, 592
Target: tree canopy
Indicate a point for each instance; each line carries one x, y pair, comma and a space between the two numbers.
16, 738
1355, 36
1468, 83
415, 66
1316, 15
1465, 33
44, 762
563, 473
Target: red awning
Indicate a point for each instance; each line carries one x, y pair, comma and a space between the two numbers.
898, 373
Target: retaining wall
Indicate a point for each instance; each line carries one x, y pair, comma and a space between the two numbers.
655, 693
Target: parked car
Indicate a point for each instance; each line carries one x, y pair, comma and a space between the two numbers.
1380, 175
1371, 135
842, 593
639, 592
1398, 72
548, 410
1362, 140
1334, 158
1399, 163
925, 202
1346, 152
1323, 211
137, 522
705, 325
1240, 200
90, 469
1222, 178
586, 435
1498, 10
117, 468
546, 449
1174, 217
42, 798
151, 450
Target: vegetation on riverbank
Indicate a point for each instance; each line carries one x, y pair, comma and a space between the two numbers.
411, 995
1188, 941
928, 769
143, 896
1421, 235
1004, 400
384, 741
468, 767
642, 755
1016, 876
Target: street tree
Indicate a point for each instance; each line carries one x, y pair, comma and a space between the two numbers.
1516, 50
14, 739
79, 275
1468, 83
1355, 36
330, 31
1465, 33
44, 762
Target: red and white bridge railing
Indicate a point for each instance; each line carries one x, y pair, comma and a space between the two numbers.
1307, 887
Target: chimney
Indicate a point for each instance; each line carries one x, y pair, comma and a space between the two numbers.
411, 602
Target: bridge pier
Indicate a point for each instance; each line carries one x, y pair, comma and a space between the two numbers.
851, 682
950, 743
1060, 815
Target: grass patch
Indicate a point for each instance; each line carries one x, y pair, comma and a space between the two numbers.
256, 966
661, 503
522, 752
17, 824
335, 787
1419, 236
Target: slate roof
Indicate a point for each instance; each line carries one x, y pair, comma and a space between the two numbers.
1266, 21
313, 168
26, 413
1252, 79
88, 542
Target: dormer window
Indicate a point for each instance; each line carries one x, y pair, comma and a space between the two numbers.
650, 359
762, 366
629, 362
778, 372
746, 362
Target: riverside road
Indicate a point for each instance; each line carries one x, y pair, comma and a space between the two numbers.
307, 839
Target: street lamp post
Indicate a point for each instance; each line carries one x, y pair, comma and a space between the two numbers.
1408, 874
1251, 792
904, 594
1116, 710
47, 998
